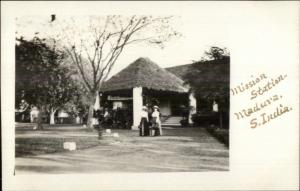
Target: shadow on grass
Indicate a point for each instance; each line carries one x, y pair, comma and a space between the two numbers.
221, 135
38, 169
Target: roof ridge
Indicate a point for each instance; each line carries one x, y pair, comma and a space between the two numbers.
177, 66
146, 73
159, 68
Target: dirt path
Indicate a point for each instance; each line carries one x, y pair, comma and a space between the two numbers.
179, 150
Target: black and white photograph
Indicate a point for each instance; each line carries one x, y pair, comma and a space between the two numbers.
81, 107
150, 95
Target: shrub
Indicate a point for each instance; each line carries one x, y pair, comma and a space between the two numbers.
205, 119
184, 122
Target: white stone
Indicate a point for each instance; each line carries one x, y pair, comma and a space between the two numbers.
108, 131
84, 126
115, 134
66, 145
71, 146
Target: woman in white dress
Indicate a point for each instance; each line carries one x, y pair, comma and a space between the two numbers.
33, 114
156, 120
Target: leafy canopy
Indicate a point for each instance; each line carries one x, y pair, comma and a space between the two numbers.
39, 72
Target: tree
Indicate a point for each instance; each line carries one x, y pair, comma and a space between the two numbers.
215, 53
39, 72
213, 82
210, 80
94, 44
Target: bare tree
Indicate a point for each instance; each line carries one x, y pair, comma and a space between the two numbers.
96, 45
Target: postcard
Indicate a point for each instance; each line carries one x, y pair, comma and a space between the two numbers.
142, 95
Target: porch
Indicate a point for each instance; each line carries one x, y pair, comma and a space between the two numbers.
131, 101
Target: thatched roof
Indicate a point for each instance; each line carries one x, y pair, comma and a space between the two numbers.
144, 73
212, 70
207, 77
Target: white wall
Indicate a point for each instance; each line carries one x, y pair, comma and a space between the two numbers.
137, 106
117, 104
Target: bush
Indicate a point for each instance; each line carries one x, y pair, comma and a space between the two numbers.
209, 118
205, 118
184, 122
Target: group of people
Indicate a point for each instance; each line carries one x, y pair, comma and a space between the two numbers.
113, 118
150, 124
22, 110
26, 112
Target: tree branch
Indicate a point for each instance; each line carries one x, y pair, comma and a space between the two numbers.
79, 66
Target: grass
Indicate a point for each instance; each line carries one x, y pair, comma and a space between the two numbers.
42, 145
221, 134
51, 139
179, 150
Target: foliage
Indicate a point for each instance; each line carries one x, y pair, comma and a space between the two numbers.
215, 53
205, 119
39, 72
210, 79
184, 122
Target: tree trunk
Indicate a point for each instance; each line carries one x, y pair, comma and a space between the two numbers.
39, 122
91, 111
90, 117
52, 118
221, 120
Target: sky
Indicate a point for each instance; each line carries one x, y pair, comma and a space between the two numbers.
198, 33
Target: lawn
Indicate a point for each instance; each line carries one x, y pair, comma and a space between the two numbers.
221, 134
179, 150
51, 139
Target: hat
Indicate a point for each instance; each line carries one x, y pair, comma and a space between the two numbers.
144, 108
155, 107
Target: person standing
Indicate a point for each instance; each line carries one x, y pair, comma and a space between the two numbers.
23, 109
119, 118
149, 130
144, 128
33, 114
156, 121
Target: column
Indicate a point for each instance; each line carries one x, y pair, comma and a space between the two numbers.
137, 95
193, 106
